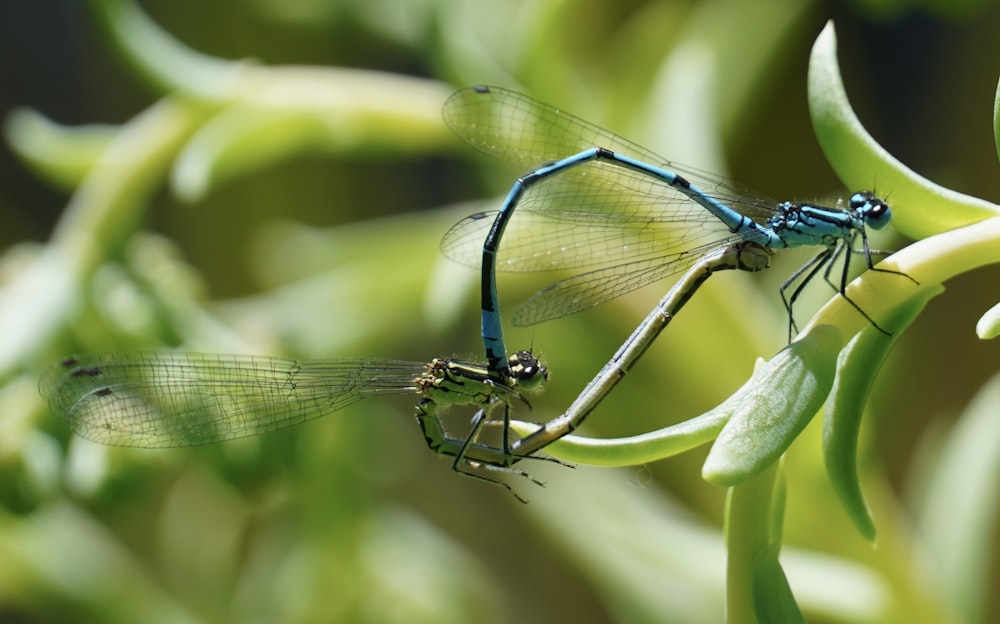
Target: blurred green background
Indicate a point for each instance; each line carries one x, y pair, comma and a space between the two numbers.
226, 184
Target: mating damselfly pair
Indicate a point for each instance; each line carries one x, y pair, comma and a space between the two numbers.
590, 200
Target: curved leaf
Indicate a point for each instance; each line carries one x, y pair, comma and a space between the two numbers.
988, 326
772, 597
922, 208
769, 413
996, 119
159, 58
857, 367
635, 450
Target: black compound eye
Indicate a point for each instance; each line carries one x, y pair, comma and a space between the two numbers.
526, 368
872, 209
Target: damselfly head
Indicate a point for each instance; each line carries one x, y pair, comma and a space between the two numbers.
527, 370
873, 210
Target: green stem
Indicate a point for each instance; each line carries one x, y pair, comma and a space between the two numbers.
748, 534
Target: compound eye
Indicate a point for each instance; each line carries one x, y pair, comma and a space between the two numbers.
878, 215
873, 210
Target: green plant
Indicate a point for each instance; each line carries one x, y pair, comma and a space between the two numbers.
348, 520
755, 426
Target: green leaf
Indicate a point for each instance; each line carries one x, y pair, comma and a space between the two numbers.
770, 411
988, 326
931, 262
921, 208
635, 450
159, 58
772, 597
62, 154
756, 587
996, 120
103, 212
289, 111
857, 367
958, 514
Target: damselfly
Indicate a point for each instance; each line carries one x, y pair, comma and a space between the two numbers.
171, 399
595, 200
